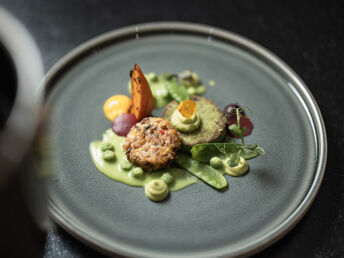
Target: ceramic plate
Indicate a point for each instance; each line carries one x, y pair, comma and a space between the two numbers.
197, 221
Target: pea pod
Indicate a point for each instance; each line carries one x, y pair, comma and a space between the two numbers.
205, 151
178, 92
204, 172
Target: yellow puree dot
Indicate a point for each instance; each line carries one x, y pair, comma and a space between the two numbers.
116, 105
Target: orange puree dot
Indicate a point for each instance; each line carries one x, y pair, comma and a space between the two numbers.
116, 105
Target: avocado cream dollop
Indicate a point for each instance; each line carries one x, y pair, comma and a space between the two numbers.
183, 124
156, 190
238, 170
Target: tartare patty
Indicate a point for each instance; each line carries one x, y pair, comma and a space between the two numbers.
212, 126
152, 144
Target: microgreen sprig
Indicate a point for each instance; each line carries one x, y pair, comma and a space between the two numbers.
243, 151
236, 129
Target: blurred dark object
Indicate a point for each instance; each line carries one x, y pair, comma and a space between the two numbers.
8, 86
22, 194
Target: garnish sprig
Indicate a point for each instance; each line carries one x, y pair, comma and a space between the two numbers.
236, 129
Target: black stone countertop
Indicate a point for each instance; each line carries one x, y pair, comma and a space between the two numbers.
307, 35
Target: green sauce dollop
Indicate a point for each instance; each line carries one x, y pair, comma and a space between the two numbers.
156, 190
185, 125
238, 170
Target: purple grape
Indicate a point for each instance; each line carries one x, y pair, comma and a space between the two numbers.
122, 124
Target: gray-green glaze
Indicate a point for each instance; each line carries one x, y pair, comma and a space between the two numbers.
198, 221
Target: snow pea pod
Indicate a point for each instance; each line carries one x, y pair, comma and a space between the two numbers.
204, 172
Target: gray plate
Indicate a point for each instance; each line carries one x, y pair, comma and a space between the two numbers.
198, 221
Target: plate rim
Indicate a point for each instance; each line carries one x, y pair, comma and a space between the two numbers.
301, 91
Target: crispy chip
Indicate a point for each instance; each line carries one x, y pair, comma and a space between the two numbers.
187, 108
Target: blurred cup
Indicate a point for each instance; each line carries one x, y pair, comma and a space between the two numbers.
23, 216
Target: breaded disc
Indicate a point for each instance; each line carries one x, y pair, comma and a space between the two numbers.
152, 144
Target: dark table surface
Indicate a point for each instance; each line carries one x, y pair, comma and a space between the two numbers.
308, 35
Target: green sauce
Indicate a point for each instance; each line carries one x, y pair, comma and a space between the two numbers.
159, 91
116, 169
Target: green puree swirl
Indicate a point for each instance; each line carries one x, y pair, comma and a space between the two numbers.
113, 170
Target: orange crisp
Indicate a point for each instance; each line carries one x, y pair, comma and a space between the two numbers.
116, 105
187, 108
142, 102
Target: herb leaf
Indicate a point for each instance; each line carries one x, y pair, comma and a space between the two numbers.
205, 151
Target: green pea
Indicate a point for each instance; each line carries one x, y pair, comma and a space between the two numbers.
151, 77
109, 155
137, 172
107, 146
167, 178
191, 90
125, 165
200, 90
216, 162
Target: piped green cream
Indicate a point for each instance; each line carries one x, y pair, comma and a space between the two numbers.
185, 125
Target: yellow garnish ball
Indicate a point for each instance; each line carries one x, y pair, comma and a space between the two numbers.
115, 106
